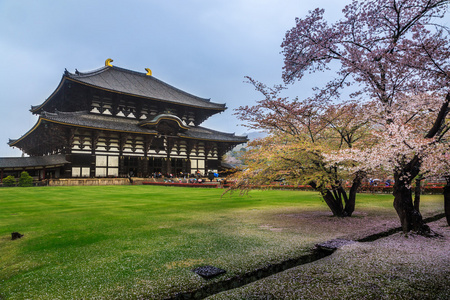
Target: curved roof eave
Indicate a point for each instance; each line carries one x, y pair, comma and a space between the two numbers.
230, 137
239, 141
36, 108
13, 143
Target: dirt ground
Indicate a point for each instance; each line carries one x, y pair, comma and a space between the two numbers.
395, 267
323, 223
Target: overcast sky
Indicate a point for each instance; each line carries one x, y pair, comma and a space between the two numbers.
204, 47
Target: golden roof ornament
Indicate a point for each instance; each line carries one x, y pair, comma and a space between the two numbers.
108, 62
149, 72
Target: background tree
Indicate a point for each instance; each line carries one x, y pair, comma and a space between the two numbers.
388, 49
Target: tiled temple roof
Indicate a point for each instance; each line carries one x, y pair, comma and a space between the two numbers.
203, 133
139, 84
102, 122
85, 119
123, 81
33, 161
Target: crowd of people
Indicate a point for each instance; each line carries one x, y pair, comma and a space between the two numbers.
196, 177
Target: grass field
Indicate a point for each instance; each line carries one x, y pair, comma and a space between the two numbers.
129, 242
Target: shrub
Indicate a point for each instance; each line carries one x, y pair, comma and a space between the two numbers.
25, 179
9, 181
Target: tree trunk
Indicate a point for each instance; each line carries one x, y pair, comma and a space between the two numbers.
335, 204
410, 218
447, 200
332, 198
417, 192
351, 201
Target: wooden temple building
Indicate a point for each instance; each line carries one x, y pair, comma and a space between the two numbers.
114, 122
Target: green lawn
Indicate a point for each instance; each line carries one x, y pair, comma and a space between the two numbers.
133, 241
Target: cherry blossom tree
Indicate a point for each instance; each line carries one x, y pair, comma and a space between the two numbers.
389, 51
398, 136
300, 131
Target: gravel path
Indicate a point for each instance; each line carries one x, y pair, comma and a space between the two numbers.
395, 267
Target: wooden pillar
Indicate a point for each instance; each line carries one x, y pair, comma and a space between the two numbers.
138, 109
122, 141
115, 99
189, 147
208, 149
147, 144
168, 150
94, 141
221, 150
145, 166
70, 134
140, 167
95, 135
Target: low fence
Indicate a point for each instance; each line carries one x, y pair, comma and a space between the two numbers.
93, 181
124, 181
185, 184
120, 181
87, 181
427, 189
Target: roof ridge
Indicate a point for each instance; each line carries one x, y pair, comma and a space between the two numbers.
103, 69
86, 74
